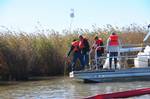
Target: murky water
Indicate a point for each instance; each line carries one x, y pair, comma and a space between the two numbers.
64, 88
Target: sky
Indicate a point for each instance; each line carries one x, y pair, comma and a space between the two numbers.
26, 15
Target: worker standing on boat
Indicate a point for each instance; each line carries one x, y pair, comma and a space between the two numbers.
76, 54
85, 48
98, 45
113, 45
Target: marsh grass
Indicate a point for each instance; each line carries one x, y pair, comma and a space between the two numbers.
24, 55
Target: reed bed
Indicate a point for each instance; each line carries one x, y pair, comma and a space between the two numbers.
24, 55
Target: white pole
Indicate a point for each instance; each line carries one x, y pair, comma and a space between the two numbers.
71, 16
148, 34
96, 59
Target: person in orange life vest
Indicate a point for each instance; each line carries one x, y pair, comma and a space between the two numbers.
98, 42
76, 54
85, 48
112, 47
100, 50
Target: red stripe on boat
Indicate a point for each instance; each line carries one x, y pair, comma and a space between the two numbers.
124, 94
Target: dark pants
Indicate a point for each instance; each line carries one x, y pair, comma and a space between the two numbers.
86, 58
77, 55
99, 54
113, 55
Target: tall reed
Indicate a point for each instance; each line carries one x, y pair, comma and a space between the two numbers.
23, 55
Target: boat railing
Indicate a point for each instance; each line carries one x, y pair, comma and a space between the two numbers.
94, 63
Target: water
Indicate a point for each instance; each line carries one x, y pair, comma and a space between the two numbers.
65, 88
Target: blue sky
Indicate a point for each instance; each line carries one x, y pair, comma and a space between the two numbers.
54, 14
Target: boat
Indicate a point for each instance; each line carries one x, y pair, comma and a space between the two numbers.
136, 73
115, 75
131, 74
123, 94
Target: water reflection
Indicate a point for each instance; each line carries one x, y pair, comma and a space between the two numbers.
64, 88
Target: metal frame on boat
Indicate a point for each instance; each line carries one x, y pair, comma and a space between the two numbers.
111, 75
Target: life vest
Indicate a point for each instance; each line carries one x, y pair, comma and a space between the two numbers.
113, 40
76, 46
81, 43
98, 43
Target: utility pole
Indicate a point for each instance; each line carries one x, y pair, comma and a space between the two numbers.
71, 20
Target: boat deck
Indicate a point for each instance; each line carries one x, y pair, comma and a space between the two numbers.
130, 74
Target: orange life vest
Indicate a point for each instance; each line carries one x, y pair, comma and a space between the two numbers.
76, 46
81, 43
113, 40
98, 43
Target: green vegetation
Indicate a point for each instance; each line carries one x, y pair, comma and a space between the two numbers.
24, 55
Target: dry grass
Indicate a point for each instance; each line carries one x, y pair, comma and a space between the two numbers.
23, 55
